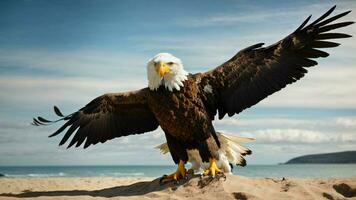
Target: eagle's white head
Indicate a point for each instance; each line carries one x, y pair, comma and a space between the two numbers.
165, 69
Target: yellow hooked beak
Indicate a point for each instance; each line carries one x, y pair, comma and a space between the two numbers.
162, 68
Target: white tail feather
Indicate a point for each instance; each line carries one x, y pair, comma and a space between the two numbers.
163, 148
231, 151
235, 138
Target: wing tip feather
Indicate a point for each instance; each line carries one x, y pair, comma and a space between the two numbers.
303, 24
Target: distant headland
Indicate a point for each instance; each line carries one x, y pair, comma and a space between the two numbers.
326, 158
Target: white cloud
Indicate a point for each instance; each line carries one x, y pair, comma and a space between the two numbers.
324, 86
262, 14
75, 62
234, 19
12, 125
31, 90
299, 136
268, 121
333, 124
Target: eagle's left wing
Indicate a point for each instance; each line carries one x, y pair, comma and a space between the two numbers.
256, 72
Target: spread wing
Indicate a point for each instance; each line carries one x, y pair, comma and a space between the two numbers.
256, 72
106, 117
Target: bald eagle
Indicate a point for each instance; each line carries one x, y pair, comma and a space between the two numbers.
184, 105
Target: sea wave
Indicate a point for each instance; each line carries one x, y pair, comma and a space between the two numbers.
35, 175
123, 174
62, 174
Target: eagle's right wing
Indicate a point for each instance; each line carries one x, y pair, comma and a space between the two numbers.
106, 117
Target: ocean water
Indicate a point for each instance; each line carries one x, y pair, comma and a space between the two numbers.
300, 170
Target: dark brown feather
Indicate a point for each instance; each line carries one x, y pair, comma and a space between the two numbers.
324, 44
57, 111
334, 26
326, 36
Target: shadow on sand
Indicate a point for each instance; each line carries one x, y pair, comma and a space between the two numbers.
135, 189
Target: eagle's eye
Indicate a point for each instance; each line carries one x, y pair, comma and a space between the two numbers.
170, 63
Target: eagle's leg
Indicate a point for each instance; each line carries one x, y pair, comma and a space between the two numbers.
179, 174
213, 168
194, 167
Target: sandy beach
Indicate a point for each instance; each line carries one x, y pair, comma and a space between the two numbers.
234, 187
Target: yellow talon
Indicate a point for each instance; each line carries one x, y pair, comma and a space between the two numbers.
213, 169
180, 173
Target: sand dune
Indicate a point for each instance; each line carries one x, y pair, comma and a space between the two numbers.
234, 187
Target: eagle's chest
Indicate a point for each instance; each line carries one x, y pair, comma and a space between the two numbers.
179, 111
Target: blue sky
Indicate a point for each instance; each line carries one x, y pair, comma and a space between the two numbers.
66, 53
